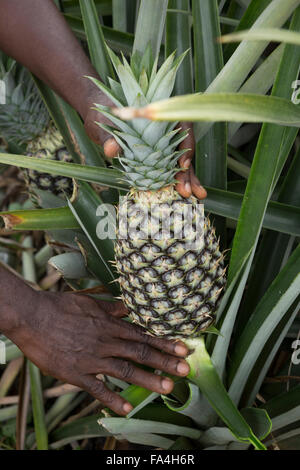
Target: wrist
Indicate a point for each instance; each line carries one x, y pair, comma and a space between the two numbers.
17, 302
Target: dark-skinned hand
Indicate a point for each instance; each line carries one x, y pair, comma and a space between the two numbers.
75, 338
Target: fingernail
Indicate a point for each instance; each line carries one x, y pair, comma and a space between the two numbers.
187, 187
167, 384
180, 350
203, 190
127, 407
186, 163
111, 148
183, 368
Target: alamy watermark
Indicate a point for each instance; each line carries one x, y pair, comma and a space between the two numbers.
2, 92
158, 221
296, 353
296, 92
2, 352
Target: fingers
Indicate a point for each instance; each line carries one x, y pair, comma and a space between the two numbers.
197, 189
111, 148
99, 135
189, 184
95, 133
187, 143
145, 354
183, 187
135, 333
126, 371
97, 389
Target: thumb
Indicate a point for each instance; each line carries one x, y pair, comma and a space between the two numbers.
99, 135
111, 148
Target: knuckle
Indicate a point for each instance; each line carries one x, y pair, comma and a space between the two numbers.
136, 333
97, 388
127, 370
107, 397
143, 352
166, 363
100, 392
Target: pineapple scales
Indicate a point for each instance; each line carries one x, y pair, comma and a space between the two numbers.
168, 287
24, 120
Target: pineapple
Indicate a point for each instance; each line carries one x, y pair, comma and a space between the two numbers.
24, 120
169, 288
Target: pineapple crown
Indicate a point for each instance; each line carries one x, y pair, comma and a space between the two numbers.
149, 160
23, 116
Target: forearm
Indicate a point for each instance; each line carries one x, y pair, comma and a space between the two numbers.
16, 299
35, 33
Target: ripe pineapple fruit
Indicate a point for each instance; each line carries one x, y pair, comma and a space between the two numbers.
24, 119
169, 289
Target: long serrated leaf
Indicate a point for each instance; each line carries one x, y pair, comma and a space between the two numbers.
284, 409
268, 354
211, 151
267, 34
119, 15
204, 375
40, 219
265, 164
82, 149
236, 290
96, 43
117, 40
102, 176
275, 303
149, 440
274, 248
41, 434
280, 217
125, 426
260, 81
218, 107
98, 223
246, 55
252, 13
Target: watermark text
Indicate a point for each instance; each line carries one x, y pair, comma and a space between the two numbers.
296, 353
296, 92
2, 352
2, 92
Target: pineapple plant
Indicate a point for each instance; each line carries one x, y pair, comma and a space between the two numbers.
168, 288
25, 122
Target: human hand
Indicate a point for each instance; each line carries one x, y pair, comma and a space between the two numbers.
75, 338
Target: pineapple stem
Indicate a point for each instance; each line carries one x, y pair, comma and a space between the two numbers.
204, 375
